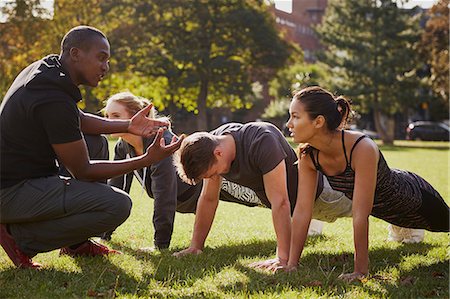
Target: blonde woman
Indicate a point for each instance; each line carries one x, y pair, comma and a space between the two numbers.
160, 180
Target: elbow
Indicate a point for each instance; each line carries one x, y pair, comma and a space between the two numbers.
281, 205
359, 220
82, 174
83, 177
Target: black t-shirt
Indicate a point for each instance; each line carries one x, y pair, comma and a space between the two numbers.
38, 110
260, 147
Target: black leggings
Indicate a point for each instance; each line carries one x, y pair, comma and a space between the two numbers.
436, 211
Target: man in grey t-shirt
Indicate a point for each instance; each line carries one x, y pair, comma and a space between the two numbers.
255, 155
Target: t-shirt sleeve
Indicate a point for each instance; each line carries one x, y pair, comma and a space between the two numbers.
267, 152
60, 121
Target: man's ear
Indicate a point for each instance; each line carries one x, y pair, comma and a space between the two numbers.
218, 151
74, 54
319, 122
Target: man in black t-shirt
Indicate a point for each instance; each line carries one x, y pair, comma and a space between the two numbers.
40, 124
254, 155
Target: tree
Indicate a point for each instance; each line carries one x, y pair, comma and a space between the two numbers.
206, 51
294, 77
20, 38
371, 52
434, 50
297, 76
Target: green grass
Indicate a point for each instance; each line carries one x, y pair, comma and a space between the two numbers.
242, 235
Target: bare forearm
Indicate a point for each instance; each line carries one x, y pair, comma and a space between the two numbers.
299, 234
101, 170
92, 124
282, 225
203, 221
361, 240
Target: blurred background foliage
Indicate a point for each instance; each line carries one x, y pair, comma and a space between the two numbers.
209, 61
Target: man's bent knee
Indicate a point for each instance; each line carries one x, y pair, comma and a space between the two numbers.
120, 207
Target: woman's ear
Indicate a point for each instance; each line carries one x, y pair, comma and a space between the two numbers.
319, 122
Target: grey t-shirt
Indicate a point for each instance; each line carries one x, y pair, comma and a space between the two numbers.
260, 147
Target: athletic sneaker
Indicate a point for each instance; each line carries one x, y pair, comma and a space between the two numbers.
16, 255
88, 248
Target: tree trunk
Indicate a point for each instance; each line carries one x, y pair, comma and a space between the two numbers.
385, 126
202, 119
265, 92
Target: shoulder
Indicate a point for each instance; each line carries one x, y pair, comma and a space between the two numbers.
226, 128
364, 150
351, 137
121, 147
120, 143
306, 158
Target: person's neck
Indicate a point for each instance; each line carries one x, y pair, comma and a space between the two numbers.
68, 68
229, 144
327, 142
136, 142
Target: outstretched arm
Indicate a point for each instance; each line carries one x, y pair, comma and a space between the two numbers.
204, 216
365, 161
307, 185
275, 186
74, 156
139, 124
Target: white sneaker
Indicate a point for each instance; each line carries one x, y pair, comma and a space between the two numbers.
150, 249
315, 227
405, 235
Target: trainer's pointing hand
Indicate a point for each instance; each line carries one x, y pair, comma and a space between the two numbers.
158, 150
140, 124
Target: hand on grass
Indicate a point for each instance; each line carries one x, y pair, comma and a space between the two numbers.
350, 277
187, 251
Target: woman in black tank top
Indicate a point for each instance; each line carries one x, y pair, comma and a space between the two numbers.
354, 165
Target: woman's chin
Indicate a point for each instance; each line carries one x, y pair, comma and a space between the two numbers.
298, 140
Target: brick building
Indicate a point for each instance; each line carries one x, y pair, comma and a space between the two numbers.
298, 25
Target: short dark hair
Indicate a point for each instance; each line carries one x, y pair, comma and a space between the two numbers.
80, 37
195, 156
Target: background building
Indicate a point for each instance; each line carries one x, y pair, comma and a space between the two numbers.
298, 24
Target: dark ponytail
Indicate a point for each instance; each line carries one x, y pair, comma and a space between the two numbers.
318, 101
344, 109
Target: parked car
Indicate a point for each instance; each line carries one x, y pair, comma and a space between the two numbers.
428, 130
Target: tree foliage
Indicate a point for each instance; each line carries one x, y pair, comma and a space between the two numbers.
297, 76
434, 50
20, 38
371, 51
208, 52
195, 54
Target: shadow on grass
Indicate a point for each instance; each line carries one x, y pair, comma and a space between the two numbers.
96, 277
318, 271
180, 277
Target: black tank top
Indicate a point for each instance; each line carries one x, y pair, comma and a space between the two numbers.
344, 181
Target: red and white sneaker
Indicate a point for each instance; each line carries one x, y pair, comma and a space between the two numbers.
88, 248
16, 255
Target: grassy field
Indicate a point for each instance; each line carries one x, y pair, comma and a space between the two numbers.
240, 236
